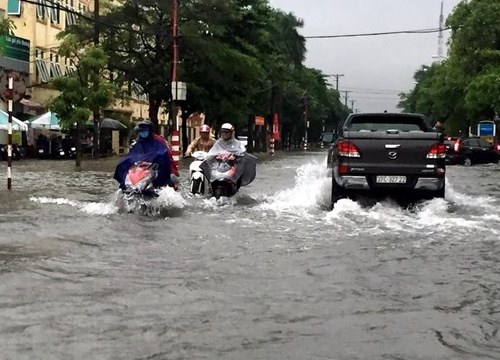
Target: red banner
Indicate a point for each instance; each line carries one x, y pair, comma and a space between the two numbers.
276, 127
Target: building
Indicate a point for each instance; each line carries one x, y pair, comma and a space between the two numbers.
32, 56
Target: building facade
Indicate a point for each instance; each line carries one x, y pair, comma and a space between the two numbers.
32, 58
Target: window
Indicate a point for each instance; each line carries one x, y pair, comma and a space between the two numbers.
41, 9
13, 8
70, 16
55, 67
70, 66
484, 143
82, 8
55, 12
42, 70
385, 123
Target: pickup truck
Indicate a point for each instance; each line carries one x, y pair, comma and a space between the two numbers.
386, 154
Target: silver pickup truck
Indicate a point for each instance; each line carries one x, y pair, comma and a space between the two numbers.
384, 154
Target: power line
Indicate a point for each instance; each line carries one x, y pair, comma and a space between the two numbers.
372, 89
420, 31
377, 97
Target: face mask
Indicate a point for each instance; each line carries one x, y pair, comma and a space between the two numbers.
143, 134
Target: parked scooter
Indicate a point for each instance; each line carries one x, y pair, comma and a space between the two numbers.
196, 176
18, 152
3, 152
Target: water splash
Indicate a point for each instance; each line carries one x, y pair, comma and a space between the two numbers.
310, 198
92, 208
311, 192
167, 201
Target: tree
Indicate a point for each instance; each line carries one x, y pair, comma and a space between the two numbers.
6, 26
82, 90
463, 89
237, 56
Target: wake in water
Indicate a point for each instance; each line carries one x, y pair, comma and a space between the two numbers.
310, 198
168, 203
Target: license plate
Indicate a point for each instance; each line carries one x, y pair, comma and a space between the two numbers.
391, 179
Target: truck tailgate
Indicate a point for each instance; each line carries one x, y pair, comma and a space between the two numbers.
392, 153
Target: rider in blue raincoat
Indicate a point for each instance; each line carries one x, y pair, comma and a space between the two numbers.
149, 148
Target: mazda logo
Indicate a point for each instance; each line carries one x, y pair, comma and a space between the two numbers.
393, 155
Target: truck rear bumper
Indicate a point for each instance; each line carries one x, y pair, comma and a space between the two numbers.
361, 183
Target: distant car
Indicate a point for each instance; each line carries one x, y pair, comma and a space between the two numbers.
244, 140
452, 149
470, 151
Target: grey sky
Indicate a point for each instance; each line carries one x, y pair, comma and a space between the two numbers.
375, 68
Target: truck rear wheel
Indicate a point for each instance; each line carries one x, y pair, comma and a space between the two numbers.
337, 192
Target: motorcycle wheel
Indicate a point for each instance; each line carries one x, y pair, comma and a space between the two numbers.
218, 192
197, 186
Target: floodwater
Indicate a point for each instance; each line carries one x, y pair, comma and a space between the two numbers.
270, 274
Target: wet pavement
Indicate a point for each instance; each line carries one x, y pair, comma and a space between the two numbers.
271, 274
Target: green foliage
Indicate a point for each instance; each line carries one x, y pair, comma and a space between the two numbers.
6, 27
84, 89
238, 57
464, 89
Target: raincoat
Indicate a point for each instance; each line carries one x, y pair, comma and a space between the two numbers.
231, 145
150, 150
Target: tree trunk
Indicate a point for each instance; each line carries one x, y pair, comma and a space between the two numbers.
154, 107
96, 140
251, 135
78, 145
185, 139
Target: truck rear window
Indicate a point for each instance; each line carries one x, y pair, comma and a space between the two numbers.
383, 123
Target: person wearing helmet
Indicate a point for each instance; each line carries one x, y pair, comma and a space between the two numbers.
227, 142
148, 144
204, 142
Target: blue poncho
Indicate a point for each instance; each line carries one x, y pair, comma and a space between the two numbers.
149, 150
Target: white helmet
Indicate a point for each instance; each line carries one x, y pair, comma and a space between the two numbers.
226, 126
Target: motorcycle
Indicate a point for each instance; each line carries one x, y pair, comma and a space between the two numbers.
71, 152
139, 180
18, 152
227, 172
196, 176
57, 152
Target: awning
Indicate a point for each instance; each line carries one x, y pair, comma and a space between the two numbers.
31, 104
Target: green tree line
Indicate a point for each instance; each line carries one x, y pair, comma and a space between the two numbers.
465, 88
239, 58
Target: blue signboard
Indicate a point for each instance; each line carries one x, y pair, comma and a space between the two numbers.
486, 128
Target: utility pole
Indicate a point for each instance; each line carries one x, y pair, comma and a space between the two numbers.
175, 94
175, 60
345, 97
96, 110
337, 77
352, 105
306, 119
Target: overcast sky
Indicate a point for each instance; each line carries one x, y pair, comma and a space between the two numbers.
375, 68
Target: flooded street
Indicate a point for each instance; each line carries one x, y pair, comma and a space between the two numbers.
273, 274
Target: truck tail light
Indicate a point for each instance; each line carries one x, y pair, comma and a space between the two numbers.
347, 149
457, 145
436, 151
